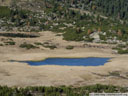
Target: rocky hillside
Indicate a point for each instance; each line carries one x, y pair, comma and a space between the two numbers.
102, 21
115, 8
5, 2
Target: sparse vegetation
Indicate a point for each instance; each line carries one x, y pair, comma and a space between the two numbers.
27, 46
10, 43
60, 91
4, 11
1, 45
114, 73
121, 51
46, 45
50, 46
38, 43
21, 35
69, 47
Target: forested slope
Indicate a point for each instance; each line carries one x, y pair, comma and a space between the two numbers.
115, 8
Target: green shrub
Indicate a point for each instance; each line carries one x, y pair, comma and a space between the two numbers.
69, 47
103, 37
10, 43
1, 45
60, 91
38, 43
114, 73
4, 11
27, 46
72, 35
50, 46
89, 39
121, 51
21, 35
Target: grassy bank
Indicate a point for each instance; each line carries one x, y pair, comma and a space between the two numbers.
59, 91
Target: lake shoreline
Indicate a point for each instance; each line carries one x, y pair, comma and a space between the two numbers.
21, 74
89, 61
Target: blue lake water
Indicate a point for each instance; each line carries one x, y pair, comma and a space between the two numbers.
91, 61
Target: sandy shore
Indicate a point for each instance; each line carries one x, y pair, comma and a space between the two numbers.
21, 74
